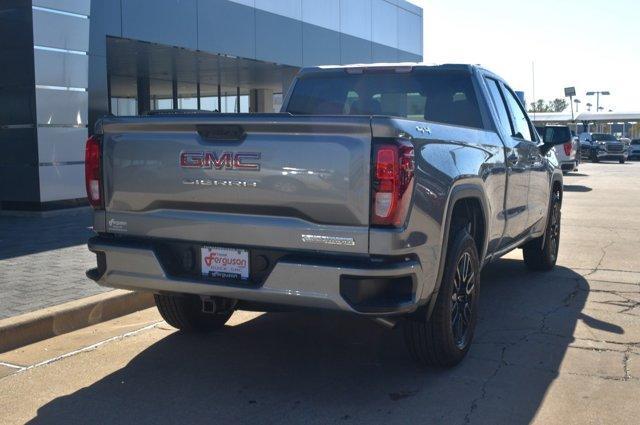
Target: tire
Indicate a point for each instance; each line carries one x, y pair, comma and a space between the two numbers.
184, 312
594, 157
621, 161
541, 253
443, 339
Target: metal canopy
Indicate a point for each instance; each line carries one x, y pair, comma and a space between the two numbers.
586, 117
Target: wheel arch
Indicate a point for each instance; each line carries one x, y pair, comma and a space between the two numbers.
460, 195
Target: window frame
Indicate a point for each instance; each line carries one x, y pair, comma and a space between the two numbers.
534, 134
497, 82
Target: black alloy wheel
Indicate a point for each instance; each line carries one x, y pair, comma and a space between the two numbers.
554, 227
464, 285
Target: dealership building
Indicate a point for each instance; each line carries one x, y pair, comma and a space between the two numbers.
66, 63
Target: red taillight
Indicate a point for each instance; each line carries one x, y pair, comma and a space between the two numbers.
92, 171
567, 148
392, 183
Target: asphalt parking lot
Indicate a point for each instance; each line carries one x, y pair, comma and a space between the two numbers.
551, 348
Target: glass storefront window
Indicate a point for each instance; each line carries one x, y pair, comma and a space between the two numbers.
122, 106
124, 93
161, 94
209, 103
123, 99
187, 95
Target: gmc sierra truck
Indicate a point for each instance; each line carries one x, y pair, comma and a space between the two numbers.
379, 190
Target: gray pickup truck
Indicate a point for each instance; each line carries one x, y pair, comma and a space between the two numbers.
379, 190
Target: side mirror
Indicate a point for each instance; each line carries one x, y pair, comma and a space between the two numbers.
554, 136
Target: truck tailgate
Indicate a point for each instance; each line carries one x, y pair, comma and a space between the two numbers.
250, 180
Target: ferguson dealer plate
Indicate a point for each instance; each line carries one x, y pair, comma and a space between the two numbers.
226, 263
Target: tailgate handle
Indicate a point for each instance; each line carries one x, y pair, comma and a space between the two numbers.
221, 132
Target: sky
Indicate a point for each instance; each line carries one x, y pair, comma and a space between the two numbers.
591, 45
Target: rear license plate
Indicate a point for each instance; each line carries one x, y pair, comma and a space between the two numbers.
226, 263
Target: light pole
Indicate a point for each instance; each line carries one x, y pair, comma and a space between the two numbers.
598, 109
589, 105
598, 93
577, 102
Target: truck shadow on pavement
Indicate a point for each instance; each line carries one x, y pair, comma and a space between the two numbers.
325, 367
576, 188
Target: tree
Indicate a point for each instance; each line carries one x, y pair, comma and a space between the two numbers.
555, 105
558, 105
539, 106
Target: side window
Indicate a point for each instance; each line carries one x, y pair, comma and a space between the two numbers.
503, 115
519, 119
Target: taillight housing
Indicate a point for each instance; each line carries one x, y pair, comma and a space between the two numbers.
92, 172
567, 148
392, 183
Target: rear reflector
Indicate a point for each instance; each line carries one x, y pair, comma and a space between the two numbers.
92, 172
392, 184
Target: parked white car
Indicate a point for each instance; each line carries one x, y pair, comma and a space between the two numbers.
567, 153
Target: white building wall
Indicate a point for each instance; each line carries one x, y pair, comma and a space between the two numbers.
61, 43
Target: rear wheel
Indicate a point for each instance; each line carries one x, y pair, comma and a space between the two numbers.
541, 253
184, 312
444, 338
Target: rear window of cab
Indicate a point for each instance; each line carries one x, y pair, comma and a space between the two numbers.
443, 96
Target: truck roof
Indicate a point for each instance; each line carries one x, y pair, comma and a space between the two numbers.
401, 66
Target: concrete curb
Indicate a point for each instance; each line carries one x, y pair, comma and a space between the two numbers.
28, 328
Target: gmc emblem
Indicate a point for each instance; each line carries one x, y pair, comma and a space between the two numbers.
246, 161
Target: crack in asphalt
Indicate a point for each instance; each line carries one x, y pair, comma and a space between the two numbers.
625, 364
566, 302
624, 344
544, 330
604, 254
483, 389
629, 305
